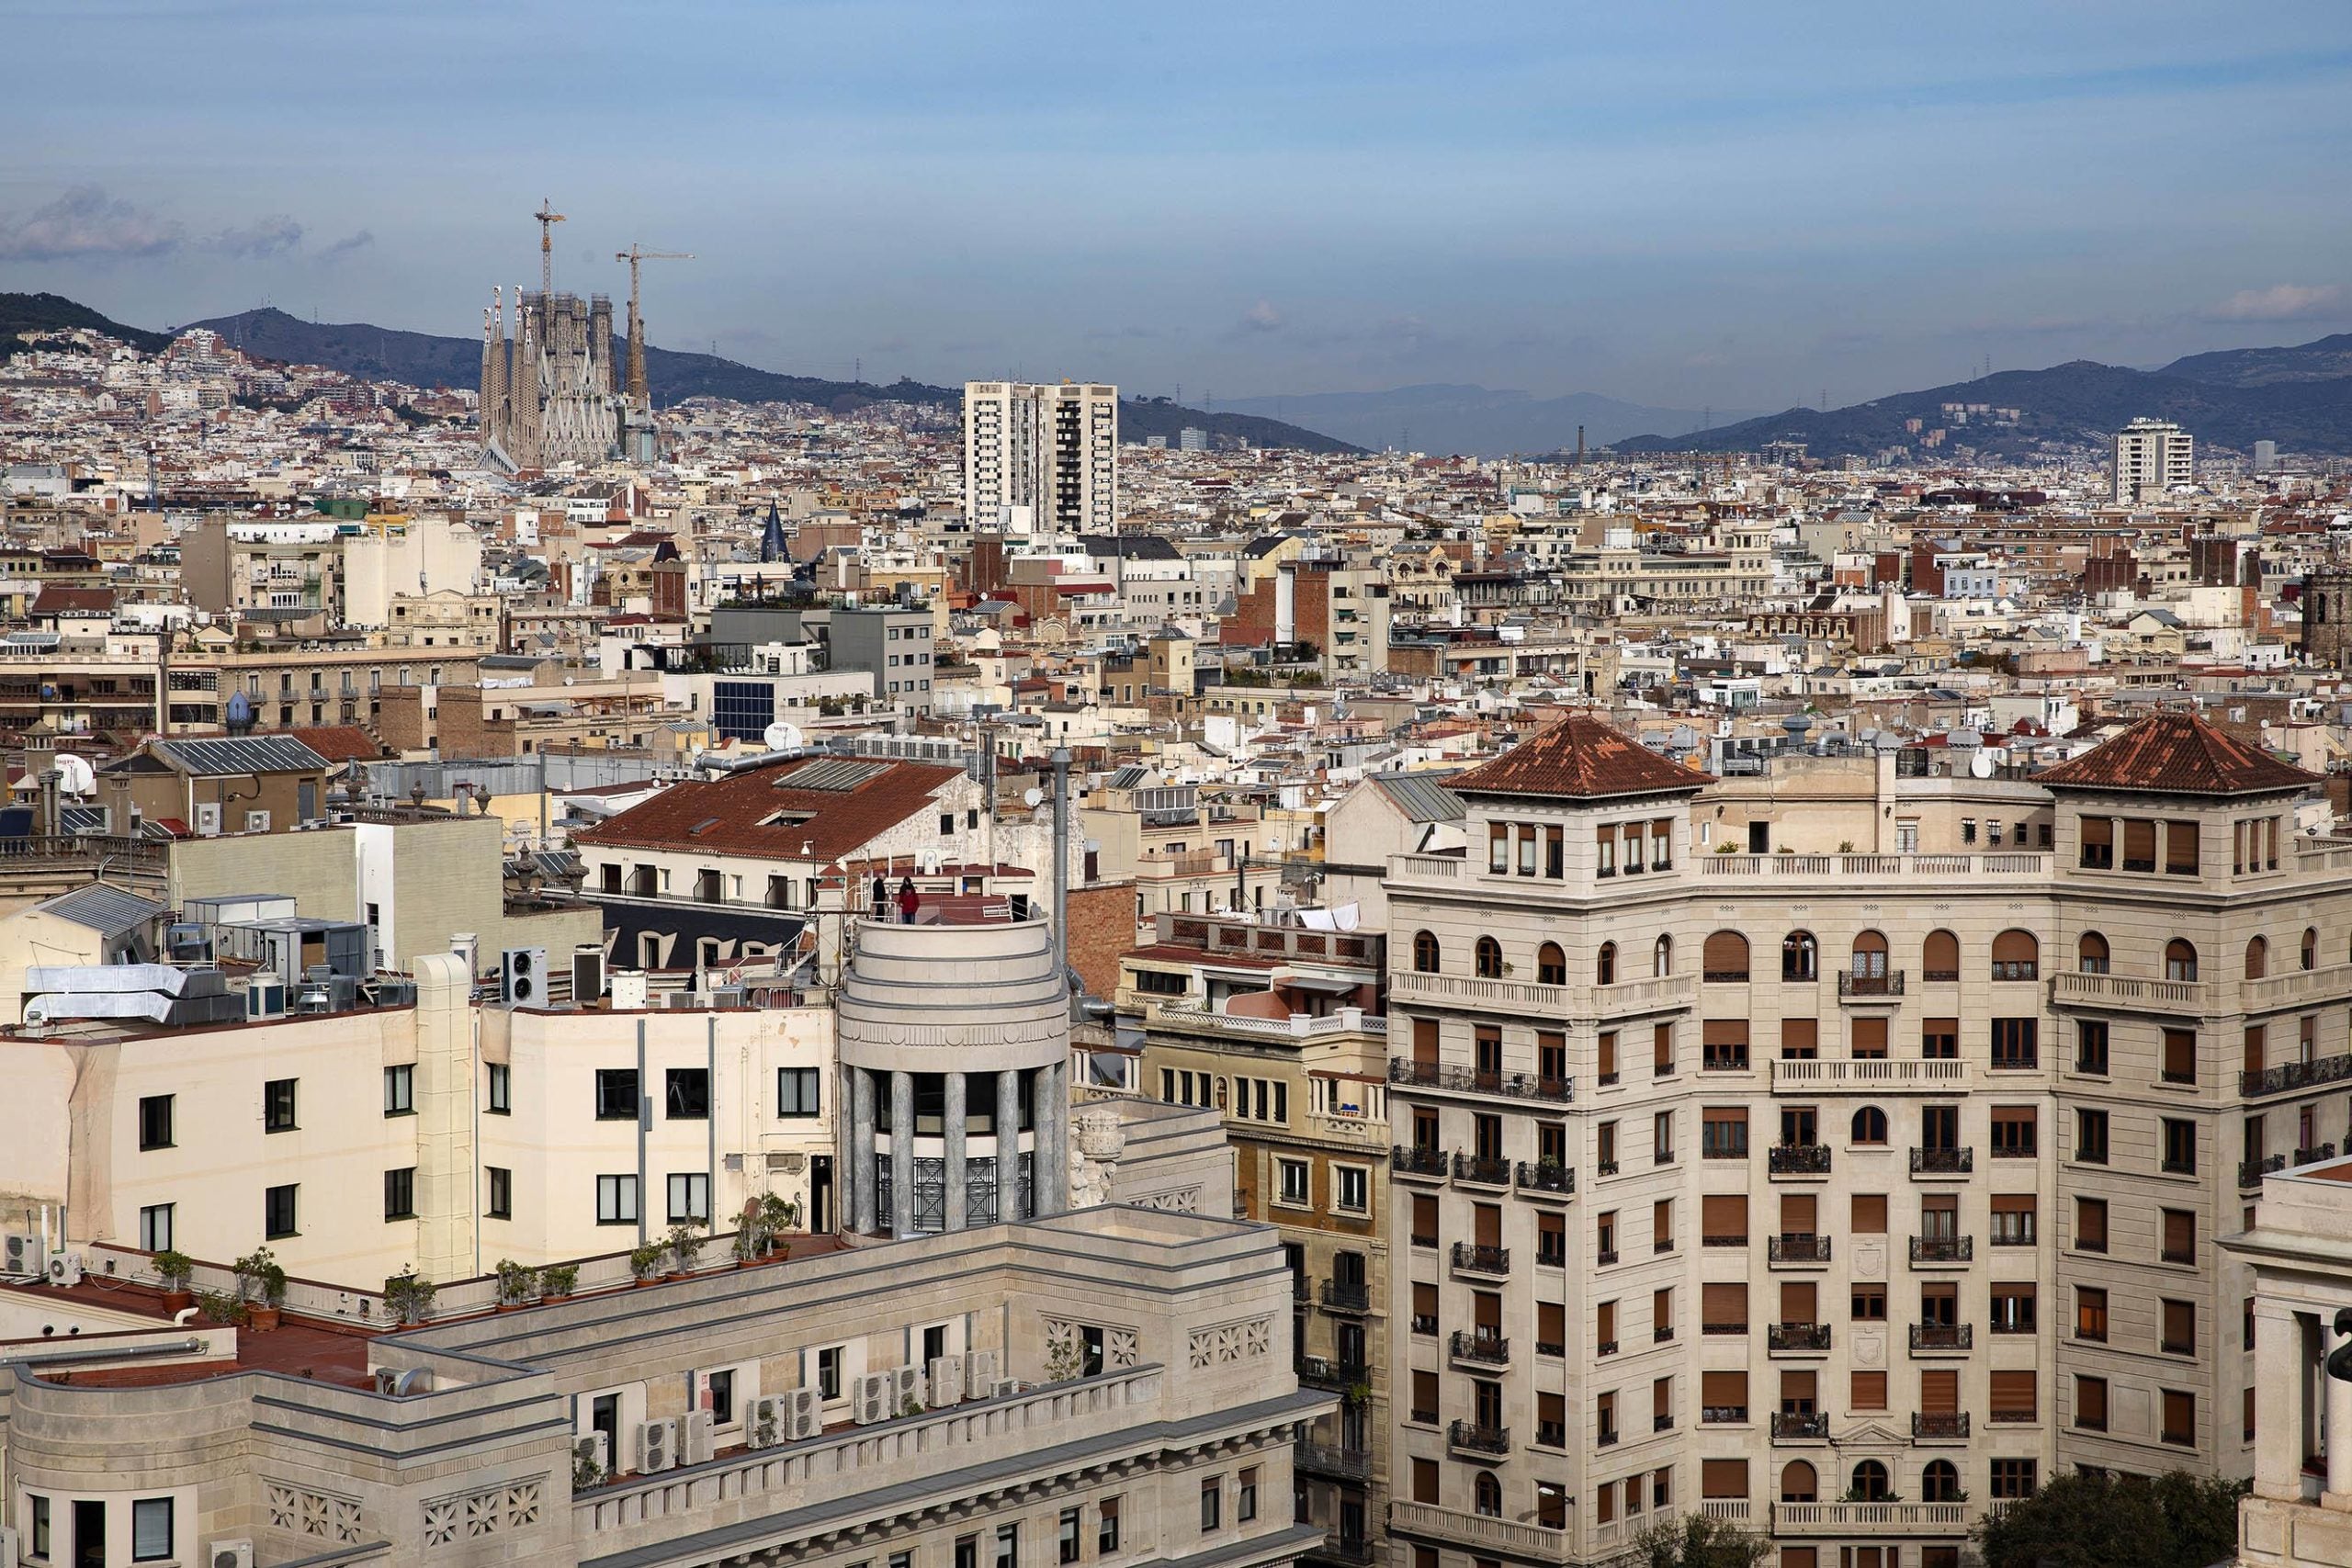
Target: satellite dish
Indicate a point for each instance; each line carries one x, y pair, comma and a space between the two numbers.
1033, 798
75, 777
781, 736
1980, 766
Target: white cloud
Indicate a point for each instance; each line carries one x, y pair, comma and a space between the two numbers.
2282, 302
87, 223
271, 236
1261, 318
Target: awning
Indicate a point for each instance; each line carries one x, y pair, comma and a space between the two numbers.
1318, 984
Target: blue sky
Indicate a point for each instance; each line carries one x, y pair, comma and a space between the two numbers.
1730, 203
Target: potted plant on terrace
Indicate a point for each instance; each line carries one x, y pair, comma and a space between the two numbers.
645, 1263
518, 1283
777, 1215
557, 1279
685, 1248
407, 1297
261, 1285
176, 1270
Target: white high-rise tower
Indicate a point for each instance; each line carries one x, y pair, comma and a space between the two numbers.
1041, 458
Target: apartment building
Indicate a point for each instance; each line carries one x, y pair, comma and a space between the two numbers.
2299, 1245
1841, 1193
1107, 1387
1276, 1028
1041, 459
1183, 851
2151, 456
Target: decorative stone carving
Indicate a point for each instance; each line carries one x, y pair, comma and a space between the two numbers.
1179, 1200
493, 1510
1240, 1340
300, 1510
1097, 1139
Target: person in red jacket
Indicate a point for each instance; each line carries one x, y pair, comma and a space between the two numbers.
909, 900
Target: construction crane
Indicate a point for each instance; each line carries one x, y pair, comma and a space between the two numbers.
548, 218
633, 254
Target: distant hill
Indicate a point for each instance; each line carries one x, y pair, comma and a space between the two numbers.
2322, 360
50, 312
1478, 420
2081, 402
422, 359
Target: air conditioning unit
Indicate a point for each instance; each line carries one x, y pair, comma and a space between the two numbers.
65, 1268
980, 1377
523, 976
587, 974
657, 1447
207, 820
906, 1387
805, 1415
946, 1379
230, 1553
765, 1419
592, 1451
791, 1165
265, 997
629, 991
700, 1439
22, 1254
870, 1399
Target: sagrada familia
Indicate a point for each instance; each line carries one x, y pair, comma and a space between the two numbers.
548, 397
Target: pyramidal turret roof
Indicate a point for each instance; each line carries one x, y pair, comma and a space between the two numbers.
1580, 758
2177, 753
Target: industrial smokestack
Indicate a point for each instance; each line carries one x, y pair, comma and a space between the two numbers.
1579, 446
1061, 860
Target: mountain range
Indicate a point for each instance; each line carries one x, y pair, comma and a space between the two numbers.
1480, 421
2299, 396
426, 360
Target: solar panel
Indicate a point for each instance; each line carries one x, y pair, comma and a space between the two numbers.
243, 754
832, 773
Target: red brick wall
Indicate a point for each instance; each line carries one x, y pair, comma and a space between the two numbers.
1102, 927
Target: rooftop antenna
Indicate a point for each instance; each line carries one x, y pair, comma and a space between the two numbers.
548, 218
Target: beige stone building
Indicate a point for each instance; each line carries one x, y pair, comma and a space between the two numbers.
1845, 1189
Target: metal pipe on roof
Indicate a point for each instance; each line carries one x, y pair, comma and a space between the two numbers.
1061, 860
115, 1353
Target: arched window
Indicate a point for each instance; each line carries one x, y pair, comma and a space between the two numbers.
2311, 947
1489, 958
1489, 1494
1800, 956
1662, 957
2257, 958
1798, 1483
1940, 957
1870, 1482
2180, 960
1869, 1125
1604, 965
1551, 964
2090, 954
1870, 956
1940, 1483
1424, 954
2015, 956
1725, 958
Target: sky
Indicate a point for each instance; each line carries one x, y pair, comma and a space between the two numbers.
1687, 205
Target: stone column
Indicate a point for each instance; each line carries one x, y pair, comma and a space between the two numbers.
952, 1129
2338, 1495
1008, 1146
1048, 1161
903, 1153
861, 1159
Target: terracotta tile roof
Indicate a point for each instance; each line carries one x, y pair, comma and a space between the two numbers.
59, 599
340, 742
1580, 758
2177, 753
735, 815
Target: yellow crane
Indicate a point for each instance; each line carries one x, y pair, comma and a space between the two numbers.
548, 218
633, 254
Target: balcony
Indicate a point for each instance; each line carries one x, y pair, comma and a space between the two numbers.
1302, 1288
1355, 1553
1542, 1181
1928, 1251
1869, 987
1333, 1376
1492, 1263
1794, 1427
1928, 1338
1796, 1248
1797, 1338
2290, 1076
2252, 1172
1478, 1171
1870, 1518
2130, 993
1469, 1438
1483, 1534
1892, 870
1451, 1077
1942, 1162
1350, 1296
1871, 1074
2297, 988
1797, 1160
1520, 997
1479, 1348
1333, 1459
1417, 1165
1940, 1425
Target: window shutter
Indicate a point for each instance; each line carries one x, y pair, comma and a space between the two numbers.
2181, 1231
1723, 1478
1940, 1391
1605, 1325
1425, 1299
2181, 1324
1869, 1390
2013, 1393
2013, 1202
2015, 947
1726, 954
1797, 1214
1799, 1036
1552, 1323
1608, 1054
2138, 844
1724, 1304
1719, 1389
1870, 1213
2090, 1402
1723, 1214
2180, 847
1724, 1032
1799, 1301
2100, 830
1869, 1037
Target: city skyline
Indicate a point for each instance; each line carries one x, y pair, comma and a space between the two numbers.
1705, 210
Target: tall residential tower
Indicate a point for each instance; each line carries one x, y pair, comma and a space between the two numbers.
1041, 458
